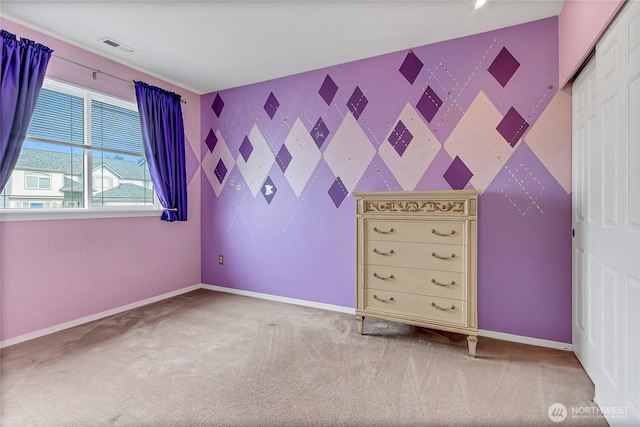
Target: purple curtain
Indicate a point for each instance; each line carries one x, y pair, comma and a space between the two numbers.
24, 64
163, 136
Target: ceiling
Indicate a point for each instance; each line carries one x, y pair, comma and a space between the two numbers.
205, 46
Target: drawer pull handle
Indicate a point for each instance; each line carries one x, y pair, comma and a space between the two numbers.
435, 282
383, 278
383, 253
437, 233
433, 304
383, 300
377, 230
435, 255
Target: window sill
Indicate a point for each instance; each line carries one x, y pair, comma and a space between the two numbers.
74, 213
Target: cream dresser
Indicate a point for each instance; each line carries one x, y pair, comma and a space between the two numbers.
417, 259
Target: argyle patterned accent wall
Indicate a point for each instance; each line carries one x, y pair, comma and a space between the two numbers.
281, 158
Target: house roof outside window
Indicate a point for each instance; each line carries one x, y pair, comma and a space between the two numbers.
124, 192
71, 186
71, 167
71, 164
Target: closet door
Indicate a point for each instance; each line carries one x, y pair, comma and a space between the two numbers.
607, 218
586, 192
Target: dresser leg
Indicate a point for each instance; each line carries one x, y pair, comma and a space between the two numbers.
360, 320
472, 340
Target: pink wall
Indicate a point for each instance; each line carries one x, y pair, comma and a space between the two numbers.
52, 272
581, 23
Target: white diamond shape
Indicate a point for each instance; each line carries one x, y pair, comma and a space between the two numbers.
349, 152
304, 157
477, 142
255, 170
549, 138
211, 159
410, 167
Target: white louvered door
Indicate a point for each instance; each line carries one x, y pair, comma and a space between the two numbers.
606, 219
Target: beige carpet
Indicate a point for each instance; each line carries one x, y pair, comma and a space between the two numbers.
214, 359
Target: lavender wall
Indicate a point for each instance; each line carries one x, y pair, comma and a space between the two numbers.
53, 272
280, 159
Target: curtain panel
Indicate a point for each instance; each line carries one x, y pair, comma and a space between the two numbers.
163, 137
24, 65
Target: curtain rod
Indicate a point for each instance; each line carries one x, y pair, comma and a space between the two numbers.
96, 72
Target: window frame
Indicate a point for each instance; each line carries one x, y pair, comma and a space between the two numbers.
89, 210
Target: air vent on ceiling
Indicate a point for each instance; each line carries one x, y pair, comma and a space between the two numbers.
111, 42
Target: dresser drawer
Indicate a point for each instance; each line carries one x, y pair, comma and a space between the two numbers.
424, 307
448, 232
447, 310
416, 255
445, 284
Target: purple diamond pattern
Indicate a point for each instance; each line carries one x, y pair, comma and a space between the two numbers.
411, 67
337, 192
269, 190
400, 138
271, 106
357, 103
217, 105
319, 132
283, 158
503, 67
220, 171
458, 175
429, 104
512, 127
211, 140
328, 90
246, 148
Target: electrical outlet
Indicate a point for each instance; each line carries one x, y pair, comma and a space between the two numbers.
220, 259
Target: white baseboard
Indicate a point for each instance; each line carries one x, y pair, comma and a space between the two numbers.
97, 316
287, 300
525, 340
348, 310
330, 307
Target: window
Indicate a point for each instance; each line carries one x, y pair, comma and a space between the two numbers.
39, 205
37, 180
85, 149
102, 182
